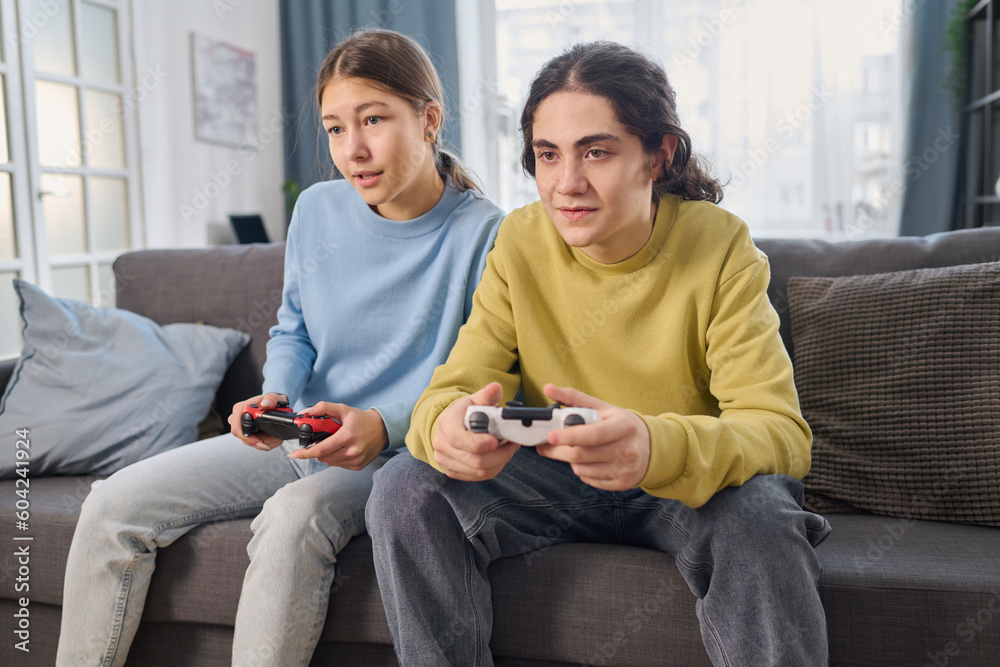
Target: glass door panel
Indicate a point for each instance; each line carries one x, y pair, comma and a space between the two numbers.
58, 124
71, 282
99, 52
4, 147
62, 207
104, 136
8, 237
10, 323
109, 213
53, 45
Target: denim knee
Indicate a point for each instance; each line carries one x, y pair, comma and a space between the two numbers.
404, 487
284, 511
767, 506
115, 508
290, 520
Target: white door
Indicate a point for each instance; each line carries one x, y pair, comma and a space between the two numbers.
72, 161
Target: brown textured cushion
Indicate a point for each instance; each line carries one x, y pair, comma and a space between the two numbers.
899, 377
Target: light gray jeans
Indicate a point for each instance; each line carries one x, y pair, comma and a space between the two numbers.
301, 524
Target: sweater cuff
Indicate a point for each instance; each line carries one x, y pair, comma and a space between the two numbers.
668, 450
396, 417
287, 378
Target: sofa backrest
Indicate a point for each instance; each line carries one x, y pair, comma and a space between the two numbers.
239, 286
789, 258
235, 286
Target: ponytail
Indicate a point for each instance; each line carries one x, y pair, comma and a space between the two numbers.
449, 165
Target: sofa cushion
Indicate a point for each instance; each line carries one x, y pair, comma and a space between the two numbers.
905, 592
800, 257
99, 388
899, 377
54, 511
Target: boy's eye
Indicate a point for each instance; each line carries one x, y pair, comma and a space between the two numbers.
546, 156
597, 152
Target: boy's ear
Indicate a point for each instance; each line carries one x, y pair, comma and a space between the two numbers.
664, 156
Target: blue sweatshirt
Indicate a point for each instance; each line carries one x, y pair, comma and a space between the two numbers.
371, 306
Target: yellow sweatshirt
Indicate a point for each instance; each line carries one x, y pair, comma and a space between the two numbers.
682, 333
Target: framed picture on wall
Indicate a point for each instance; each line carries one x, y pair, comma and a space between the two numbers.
225, 92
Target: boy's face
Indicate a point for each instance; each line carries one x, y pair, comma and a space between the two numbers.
593, 176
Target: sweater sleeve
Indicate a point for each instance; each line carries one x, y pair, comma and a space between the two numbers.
760, 428
485, 351
397, 416
290, 352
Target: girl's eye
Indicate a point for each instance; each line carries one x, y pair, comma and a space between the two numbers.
373, 120
335, 130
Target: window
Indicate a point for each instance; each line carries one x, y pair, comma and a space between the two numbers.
791, 100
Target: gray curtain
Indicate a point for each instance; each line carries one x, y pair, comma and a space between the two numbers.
310, 28
932, 151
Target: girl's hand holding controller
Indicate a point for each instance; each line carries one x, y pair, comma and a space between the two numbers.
612, 454
359, 440
262, 441
464, 454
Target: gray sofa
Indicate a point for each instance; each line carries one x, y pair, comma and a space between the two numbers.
923, 593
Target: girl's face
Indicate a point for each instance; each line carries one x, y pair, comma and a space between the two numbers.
381, 147
593, 176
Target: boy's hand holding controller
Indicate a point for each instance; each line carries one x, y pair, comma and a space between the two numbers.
262, 441
360, 439
612, 454
466, 455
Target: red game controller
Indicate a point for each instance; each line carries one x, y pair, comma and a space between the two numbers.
284, 423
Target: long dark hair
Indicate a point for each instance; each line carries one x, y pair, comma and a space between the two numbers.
643, 100
397, 64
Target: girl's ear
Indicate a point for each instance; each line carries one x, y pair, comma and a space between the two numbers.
663, 157
432, 119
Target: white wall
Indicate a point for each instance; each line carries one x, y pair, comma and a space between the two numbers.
190, 186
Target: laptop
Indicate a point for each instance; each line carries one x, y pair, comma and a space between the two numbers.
249, 228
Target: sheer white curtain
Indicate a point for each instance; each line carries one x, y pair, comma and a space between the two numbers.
797, 103
860, 131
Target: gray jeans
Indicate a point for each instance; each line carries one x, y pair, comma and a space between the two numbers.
434, 538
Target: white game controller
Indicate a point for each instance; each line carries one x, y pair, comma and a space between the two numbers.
525, 426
